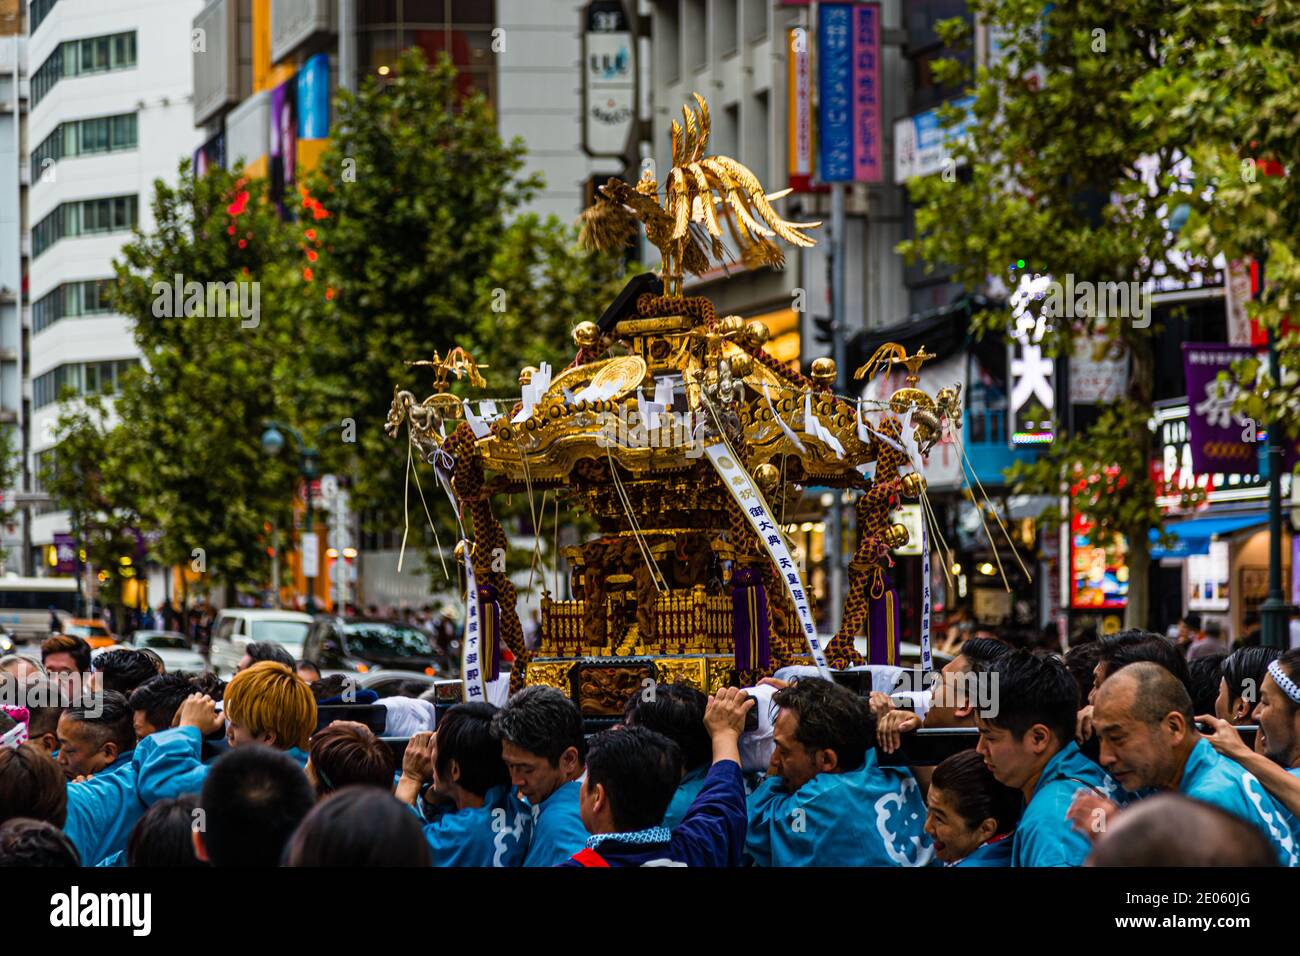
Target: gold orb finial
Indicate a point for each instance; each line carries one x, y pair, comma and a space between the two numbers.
896, 535
759, 333
823, 372
767, 475
526, 374
913, 485
585, 335
741, 364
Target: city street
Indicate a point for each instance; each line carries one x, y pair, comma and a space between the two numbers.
502, 434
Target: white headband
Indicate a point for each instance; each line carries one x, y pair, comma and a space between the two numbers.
1288, 686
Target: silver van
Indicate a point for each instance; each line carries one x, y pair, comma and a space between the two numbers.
235, 628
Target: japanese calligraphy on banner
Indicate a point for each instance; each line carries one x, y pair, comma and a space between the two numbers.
799, 147
848, 79
1214, 430
471, 656
737, 481
1223, 442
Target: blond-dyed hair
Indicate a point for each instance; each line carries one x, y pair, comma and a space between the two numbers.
271, 698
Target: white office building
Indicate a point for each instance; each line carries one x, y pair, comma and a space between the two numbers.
13, 251
110, 112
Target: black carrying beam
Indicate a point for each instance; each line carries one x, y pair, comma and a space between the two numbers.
928, 747
624, 305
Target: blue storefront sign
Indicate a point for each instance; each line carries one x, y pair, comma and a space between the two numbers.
848, 76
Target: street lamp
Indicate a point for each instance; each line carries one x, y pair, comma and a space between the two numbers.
272, 444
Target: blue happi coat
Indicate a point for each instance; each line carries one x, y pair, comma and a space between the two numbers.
711, 834
495, 834
103, 809
1044, 836
690, 787
1215, 779
995, 852
871, 816
558, 831
169, 763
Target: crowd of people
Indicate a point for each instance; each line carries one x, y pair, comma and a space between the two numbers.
1119, 752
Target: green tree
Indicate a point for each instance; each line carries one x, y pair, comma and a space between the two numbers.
82, 479
216, 367
10, 472
416, 242
1228, 86
1053, 175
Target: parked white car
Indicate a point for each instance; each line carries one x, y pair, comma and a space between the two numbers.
176, 650
236, 628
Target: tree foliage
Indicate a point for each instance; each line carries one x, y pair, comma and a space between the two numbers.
190, 456
1054, 175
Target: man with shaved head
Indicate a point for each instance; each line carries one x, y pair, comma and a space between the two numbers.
1143, 717
1154, 833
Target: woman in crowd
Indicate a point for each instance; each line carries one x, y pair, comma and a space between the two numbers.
972, 816
1243, 673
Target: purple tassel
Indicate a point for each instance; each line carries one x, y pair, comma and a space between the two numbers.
490, 623
883, 631
749, 621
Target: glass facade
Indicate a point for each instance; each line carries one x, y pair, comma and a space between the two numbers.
83, 378
462, 29
82, 57
72, 300
40, 9
103, 134
84, 218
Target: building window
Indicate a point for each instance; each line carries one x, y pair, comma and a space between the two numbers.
668, 39
756, 20
72, 300
84, 218
83, 57
461, 29
39, 11
104, 134
697, 56
725, 39
78, 379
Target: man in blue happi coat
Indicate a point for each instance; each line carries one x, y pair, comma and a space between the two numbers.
827, 800
471, 814
96, 745
1143, 717
267, 704
542, 746
632, 774
677, 712
1027, 740
1277, 762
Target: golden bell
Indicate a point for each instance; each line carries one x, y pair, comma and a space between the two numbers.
823, 371
759, 333
896, 535
585, 335
741, 365
526, 374
767, 475
913, 485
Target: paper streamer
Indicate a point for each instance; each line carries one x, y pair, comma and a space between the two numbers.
927, 663
742, 488
789, 432
812, 425
471, 663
